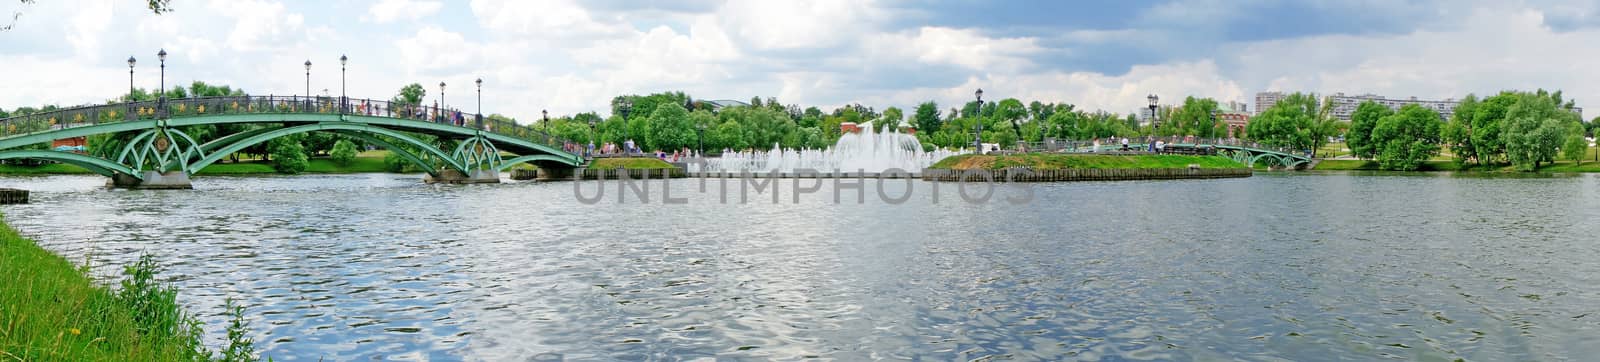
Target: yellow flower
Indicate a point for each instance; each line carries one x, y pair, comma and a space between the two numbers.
74, 331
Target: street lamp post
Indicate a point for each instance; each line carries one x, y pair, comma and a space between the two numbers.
627, 105
977, 139
480, 102
129, 98
700, 130
130, 77
1155, 122
593, 135
442, 105
161, 103
163, 57
308, 78
344, 101
546, 114
1212, 133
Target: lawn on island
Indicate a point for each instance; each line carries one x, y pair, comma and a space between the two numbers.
1049, 161
629, 163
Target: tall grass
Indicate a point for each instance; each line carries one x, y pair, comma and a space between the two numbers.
51, 311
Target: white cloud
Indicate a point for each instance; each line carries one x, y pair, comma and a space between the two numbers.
548, 19
963, 47
387, 11
260, 25
800, 24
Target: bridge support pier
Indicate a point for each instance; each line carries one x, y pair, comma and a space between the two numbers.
450, 176
153, 180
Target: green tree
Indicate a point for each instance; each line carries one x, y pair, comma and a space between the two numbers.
1289, 123
670, 127
288, 156
343, 152
1406, 138
926, 117
1362, 122
1488, 124
1534, 130
411, 94
1458, 132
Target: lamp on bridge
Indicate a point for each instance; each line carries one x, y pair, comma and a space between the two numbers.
343, 102
130, 77
546, 114
442, 105
308, 77
162, 55
480, 103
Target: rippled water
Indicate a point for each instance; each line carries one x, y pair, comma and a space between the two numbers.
1275, 266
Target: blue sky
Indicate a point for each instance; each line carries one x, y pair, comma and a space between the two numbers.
572, 56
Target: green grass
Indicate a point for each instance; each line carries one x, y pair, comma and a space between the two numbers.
1436, 165
52, 311
1046, 161
361, 164
49, 169
629, 163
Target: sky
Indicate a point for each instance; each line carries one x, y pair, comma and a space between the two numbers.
574, 56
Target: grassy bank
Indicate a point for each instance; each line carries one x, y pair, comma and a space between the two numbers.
52, 311
629, 163
1047, 161
1438, 165
368, 162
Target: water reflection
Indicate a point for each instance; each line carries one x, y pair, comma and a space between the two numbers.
1289, 266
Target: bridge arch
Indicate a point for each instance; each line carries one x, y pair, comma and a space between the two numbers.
257, 138
97, 165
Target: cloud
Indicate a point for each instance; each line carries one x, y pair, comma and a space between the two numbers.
387, 11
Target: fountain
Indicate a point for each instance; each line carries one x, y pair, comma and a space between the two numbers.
860, 149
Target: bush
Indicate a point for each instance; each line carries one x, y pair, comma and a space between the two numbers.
288, 156
343, 152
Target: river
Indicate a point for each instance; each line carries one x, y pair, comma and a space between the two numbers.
1277, 266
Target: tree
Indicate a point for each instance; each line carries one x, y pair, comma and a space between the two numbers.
1406, 138
1289, 123
343, 152
411, 94
1458, 133
1488, 123
926, 118
1534, 129
892, 118
288, 156
1362, 122
670, 127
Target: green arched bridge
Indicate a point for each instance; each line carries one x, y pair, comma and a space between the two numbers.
160, 155
1239, 150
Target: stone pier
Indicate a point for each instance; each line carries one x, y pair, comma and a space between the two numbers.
450, 176
153, 180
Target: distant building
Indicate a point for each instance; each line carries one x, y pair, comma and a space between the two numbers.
1344, 106
1235, 115
1265, 100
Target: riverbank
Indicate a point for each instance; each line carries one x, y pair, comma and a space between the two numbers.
53, 311
1451, 166
367, 162
1050, 161
1048, 167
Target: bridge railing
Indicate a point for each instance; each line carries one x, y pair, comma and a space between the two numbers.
186, 107
1112, 143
